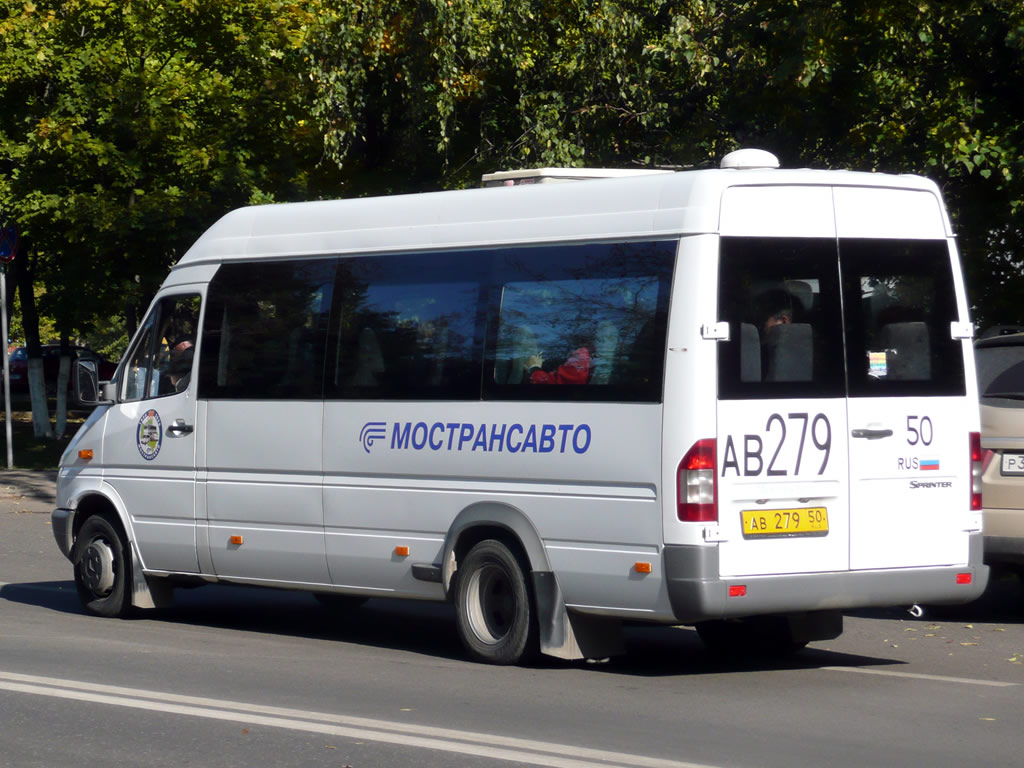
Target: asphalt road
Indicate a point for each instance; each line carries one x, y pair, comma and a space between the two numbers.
246, 677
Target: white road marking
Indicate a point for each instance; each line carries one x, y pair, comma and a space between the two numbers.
918, 676
425, 737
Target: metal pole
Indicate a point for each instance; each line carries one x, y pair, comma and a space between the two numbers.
7, 365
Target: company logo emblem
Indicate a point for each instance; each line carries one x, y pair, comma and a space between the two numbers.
149, 435
372, 432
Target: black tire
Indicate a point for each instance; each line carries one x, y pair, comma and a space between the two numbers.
756, 637
102, 568
494, 606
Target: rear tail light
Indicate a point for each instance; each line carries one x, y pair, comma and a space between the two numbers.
977, 470
697, 485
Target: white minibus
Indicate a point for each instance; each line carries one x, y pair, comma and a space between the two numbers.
740, 398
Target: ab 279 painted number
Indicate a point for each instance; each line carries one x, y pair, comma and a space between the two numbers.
758, 459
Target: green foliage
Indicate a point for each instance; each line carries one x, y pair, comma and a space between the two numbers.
129, 127
415, 94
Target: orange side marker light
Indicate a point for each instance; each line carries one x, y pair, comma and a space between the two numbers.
235, 540
642, 567
85, 454
402, 551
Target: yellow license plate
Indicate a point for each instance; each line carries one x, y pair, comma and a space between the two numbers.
807, 521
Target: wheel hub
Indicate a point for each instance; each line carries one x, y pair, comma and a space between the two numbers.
491, 606
97, 568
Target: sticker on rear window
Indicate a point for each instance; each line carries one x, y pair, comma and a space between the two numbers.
878, 365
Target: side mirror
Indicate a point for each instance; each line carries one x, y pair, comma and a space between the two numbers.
87, 392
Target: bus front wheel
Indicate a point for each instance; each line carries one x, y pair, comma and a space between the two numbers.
494, 605
102, 568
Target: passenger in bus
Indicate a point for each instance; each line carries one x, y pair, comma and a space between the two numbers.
776, 308
787, 347
575, 370
179, 370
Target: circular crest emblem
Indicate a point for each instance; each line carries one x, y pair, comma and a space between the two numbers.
149, 435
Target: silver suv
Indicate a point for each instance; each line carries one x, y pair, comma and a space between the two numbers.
1000, 362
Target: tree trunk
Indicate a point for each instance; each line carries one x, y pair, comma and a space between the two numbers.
63, 375
30, 323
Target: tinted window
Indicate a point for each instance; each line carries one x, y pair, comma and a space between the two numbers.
1000, 363
781, 299
161, 362
899, 302
263, 332
414, 326
408, 326
582, 322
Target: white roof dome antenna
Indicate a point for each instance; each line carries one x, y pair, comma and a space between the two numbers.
749, 159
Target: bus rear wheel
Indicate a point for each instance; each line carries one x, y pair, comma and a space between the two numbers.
494, 605
102, 568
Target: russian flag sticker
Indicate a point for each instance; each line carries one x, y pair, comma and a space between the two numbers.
929, 464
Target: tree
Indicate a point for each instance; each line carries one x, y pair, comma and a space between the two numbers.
129, 127
925, 88
417, 94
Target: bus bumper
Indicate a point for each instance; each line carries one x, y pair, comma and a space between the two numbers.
697, 593
60, 522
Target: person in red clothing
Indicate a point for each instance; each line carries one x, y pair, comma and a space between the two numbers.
575, 370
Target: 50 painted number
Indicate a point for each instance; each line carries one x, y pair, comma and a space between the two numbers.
919, 430
755, 457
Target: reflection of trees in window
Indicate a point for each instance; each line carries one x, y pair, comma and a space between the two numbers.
612, 299
399, 335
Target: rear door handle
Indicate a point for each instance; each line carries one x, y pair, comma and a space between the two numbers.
179, 427
872, 434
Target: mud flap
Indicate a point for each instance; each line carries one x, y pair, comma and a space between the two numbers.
146, 594
571, 636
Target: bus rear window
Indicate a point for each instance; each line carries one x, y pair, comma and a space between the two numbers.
899, 303
780, 297
795, 332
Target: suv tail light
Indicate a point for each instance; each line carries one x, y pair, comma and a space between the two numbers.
697, 484
977, 455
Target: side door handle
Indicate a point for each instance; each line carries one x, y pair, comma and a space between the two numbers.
872, 434
179, 427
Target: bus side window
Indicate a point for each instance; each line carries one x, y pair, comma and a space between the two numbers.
161, 363
407, 327
264, 331
590, 319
